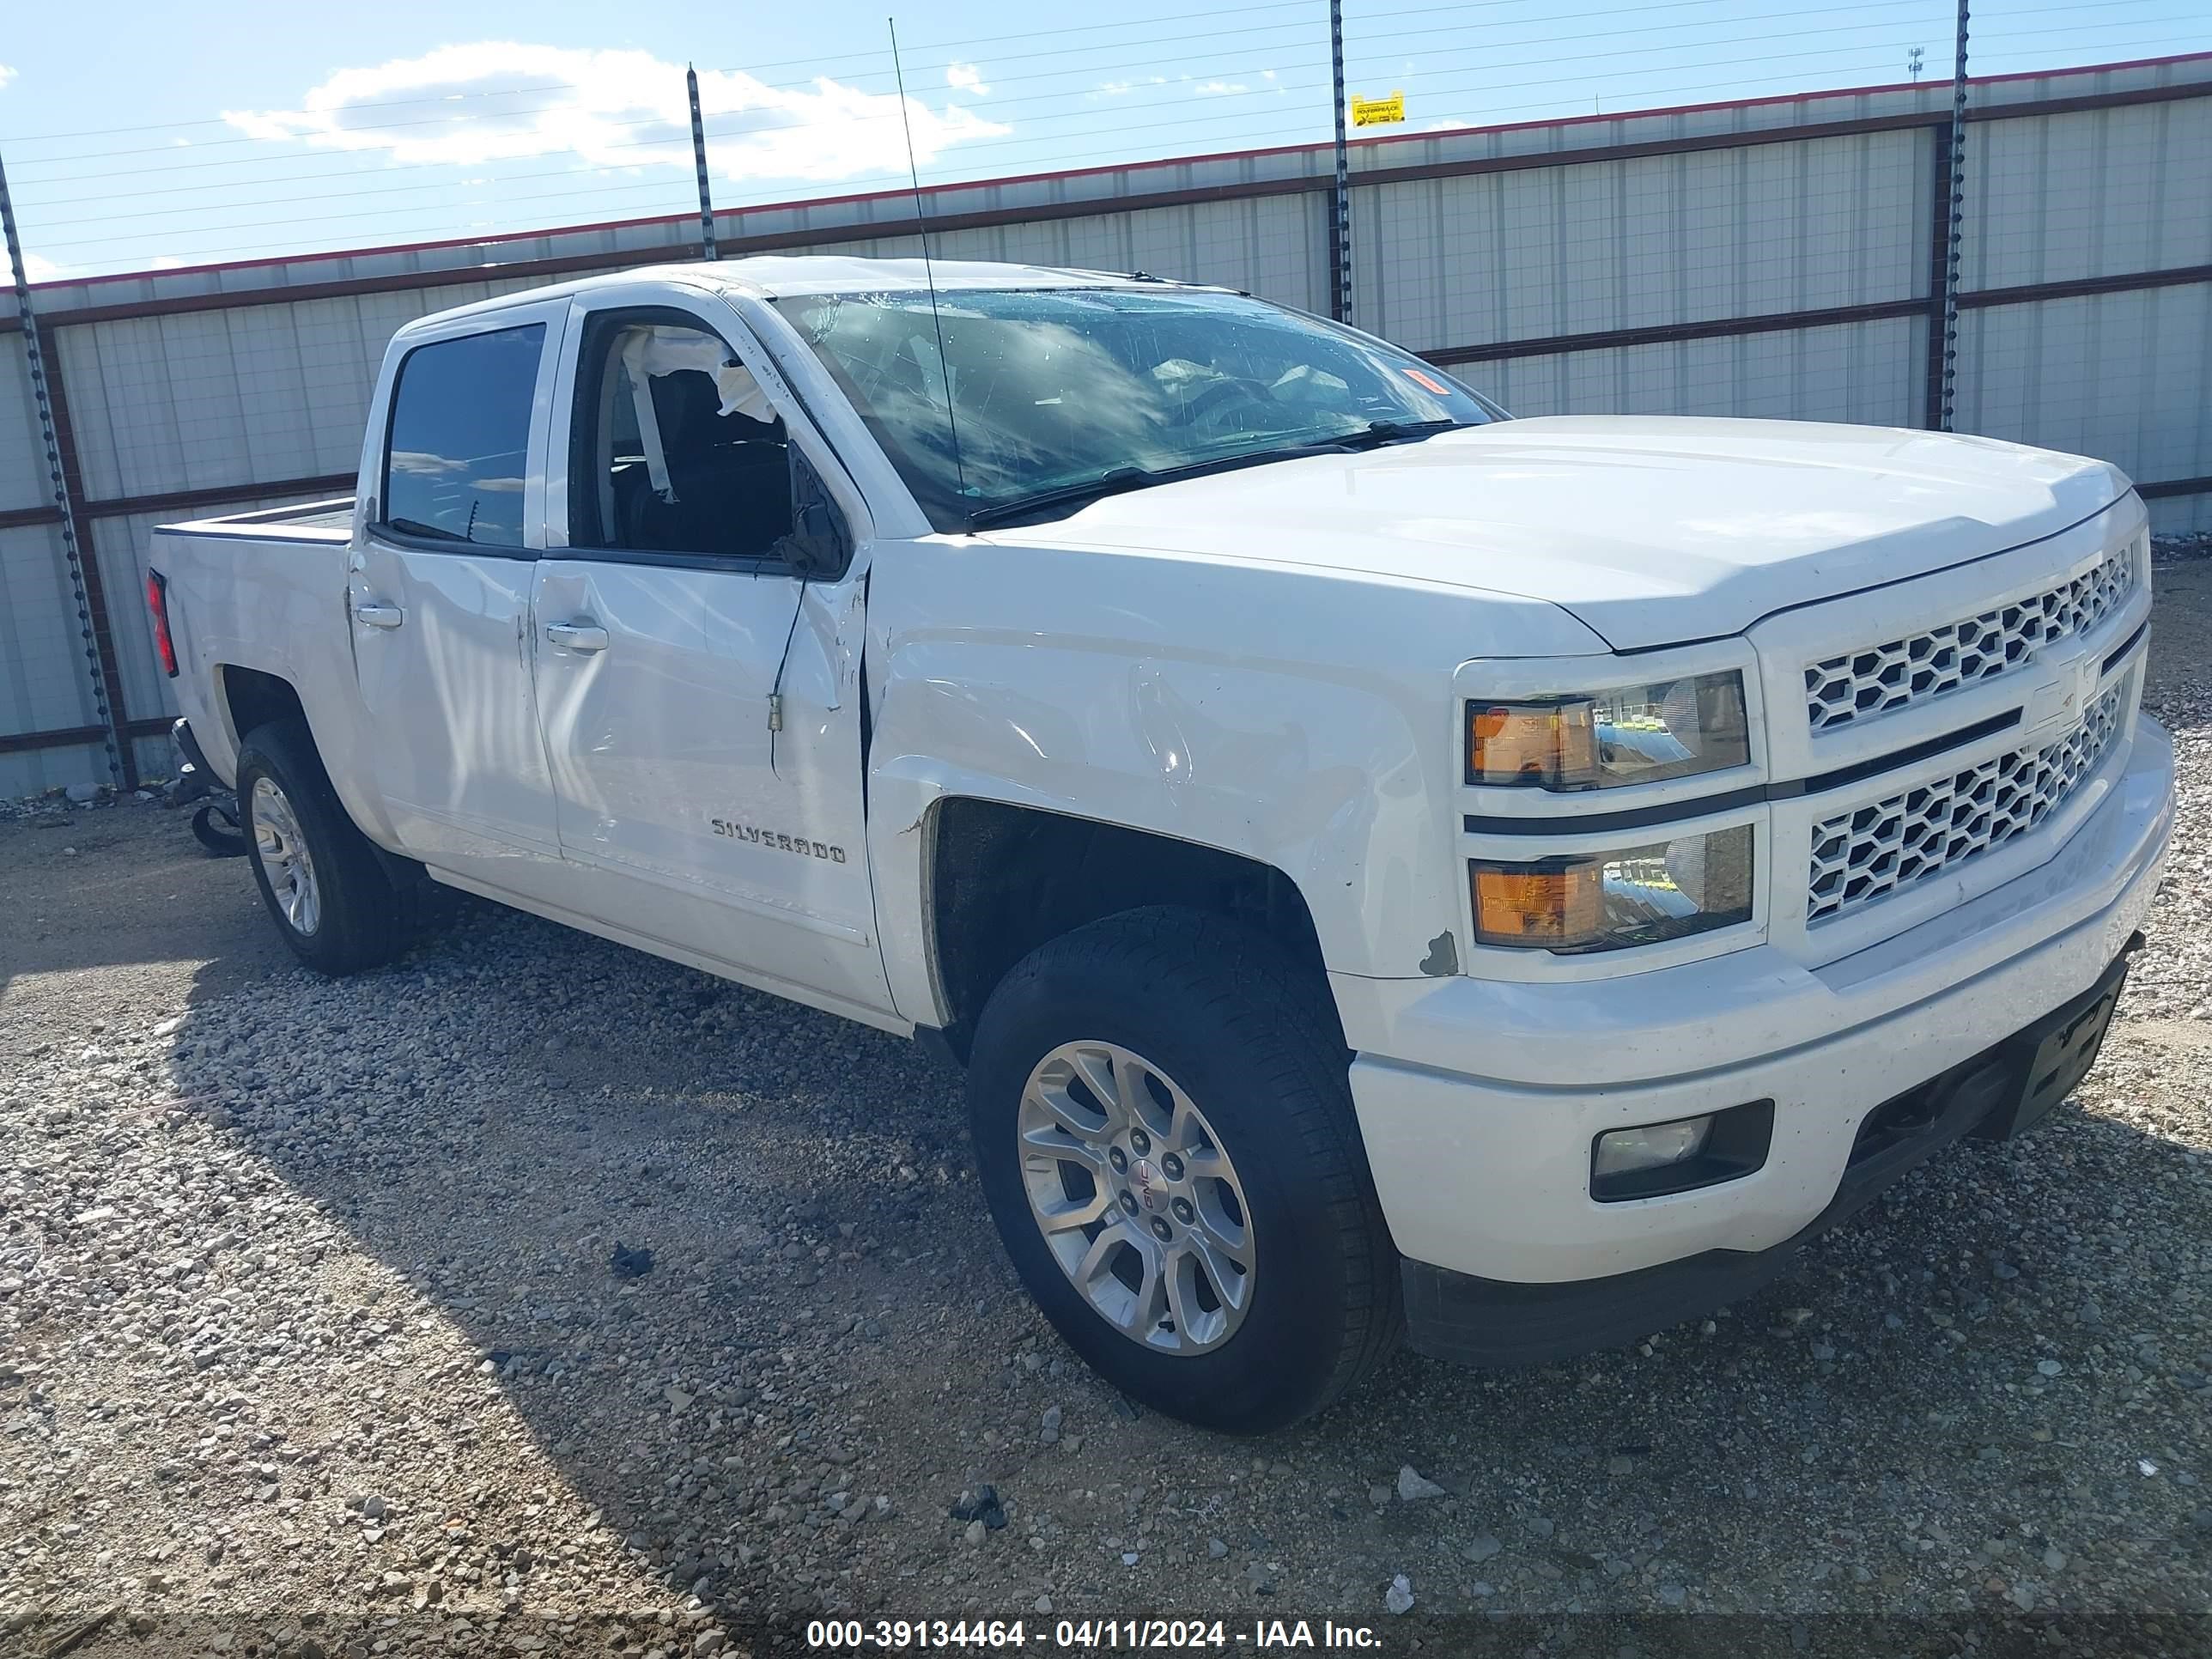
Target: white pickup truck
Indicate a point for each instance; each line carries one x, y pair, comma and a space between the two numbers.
1388, 869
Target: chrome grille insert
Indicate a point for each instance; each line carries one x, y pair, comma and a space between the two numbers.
1861, 855
1860, 684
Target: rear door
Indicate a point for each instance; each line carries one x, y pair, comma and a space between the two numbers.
698, 681
439, 593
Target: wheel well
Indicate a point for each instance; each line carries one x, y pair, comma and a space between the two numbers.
1005, 879
252, 698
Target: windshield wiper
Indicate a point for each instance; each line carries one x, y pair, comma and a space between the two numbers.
1116, 480
1376, 433
1110, 483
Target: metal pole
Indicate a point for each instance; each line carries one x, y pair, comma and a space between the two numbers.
699, 156
1958, 171
1342, 249
72, 553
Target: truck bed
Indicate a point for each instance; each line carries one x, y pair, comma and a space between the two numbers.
318, 521
266, 592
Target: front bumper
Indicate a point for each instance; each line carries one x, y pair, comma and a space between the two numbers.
1487, 1321
1488, 1175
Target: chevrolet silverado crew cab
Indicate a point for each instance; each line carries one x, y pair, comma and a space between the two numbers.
1388, 870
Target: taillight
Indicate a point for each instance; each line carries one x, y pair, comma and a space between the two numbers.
157, 601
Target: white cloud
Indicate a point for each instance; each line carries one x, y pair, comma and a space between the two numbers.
7, 74
1219, 89
498, 102
39, 269
164, 262
1122, 88
966, 77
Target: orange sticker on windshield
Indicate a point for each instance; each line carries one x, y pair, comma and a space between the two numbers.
1428, 382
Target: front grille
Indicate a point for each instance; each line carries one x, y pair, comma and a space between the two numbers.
1861, 855
1860, 684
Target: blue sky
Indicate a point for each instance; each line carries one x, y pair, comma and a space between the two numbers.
187, 135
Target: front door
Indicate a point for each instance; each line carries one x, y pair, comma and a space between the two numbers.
697, 674
440, 593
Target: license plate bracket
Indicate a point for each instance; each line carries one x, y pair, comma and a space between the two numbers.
2056, 1054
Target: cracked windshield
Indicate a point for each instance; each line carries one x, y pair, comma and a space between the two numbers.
1056, 390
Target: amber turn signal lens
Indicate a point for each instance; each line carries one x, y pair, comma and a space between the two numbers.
1548, 743
1538, 907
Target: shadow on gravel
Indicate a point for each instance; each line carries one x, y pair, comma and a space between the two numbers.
828, 1347
125, 886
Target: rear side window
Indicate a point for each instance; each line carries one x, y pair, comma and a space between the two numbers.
458, 447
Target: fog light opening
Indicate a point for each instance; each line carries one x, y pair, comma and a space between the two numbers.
1651, 1160
1624, 1151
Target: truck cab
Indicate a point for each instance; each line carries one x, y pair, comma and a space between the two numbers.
1388, 870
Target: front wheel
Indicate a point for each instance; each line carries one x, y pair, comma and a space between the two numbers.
1166, 1140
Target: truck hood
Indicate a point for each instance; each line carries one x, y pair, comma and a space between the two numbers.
1649, 531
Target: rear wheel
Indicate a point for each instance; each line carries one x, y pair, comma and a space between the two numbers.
1166, 1140
329, 895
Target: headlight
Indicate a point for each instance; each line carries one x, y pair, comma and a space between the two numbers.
1630, 734
1613, 899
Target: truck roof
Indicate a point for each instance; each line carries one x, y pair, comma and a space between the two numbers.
772, 276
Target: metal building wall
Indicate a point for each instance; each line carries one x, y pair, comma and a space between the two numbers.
1869, 373
1776, 258
1655, 241
44, 687
2106, 194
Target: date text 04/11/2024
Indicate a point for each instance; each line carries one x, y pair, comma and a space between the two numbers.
1085, 1635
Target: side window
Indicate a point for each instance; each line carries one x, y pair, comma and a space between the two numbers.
685, 453
458, 447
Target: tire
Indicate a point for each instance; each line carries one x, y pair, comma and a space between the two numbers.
1196, 1022
215, 827
329, 895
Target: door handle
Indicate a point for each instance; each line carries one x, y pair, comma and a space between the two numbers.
577, 637
379, 616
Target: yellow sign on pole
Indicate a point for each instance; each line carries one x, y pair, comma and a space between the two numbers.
1378, 112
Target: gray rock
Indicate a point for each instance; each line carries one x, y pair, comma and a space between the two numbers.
1414, 1488
1398, 1598
1480, 1547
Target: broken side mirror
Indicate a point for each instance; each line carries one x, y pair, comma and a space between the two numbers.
818, 545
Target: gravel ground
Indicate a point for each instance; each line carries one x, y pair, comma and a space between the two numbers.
311, 1341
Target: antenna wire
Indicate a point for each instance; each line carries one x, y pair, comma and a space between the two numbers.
922, 218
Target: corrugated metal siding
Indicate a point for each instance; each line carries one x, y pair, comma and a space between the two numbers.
2125, 377
2090, 194
1275, 247
43, 683
34, 771
1665, 239
22, 459
41, 671
1865, 373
